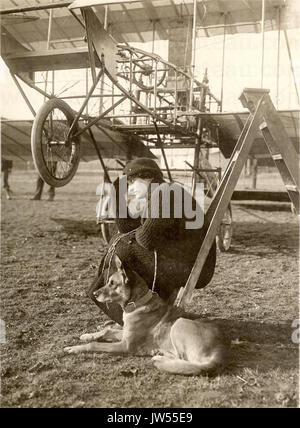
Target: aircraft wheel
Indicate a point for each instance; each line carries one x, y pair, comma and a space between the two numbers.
225, 231
56, 156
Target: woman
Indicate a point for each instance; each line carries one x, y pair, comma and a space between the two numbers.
159, 247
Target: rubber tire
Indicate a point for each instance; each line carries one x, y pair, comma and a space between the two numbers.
222, 245
36, 138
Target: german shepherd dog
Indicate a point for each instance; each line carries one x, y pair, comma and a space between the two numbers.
151, 327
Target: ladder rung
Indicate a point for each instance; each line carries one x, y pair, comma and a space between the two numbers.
263, 125
291, 187
235, 156
277, 156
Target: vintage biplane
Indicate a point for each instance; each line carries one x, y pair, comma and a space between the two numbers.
144, 101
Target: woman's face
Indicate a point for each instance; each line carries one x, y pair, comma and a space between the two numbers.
138, 187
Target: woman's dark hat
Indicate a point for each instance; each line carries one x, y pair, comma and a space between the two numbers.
142, 166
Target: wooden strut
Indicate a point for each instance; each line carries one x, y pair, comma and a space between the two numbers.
49, 35
264, 117
263, 29
107, 178
198, 141
29, 105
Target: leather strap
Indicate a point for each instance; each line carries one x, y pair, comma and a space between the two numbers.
132, 306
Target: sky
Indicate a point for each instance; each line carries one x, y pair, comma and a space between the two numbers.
242, 69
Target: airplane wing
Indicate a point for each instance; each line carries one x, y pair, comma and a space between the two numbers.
24, 33
127, 22
231, 125
16, 134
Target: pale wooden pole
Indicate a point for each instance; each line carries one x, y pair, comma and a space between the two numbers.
193, 52
263, 19
278, 56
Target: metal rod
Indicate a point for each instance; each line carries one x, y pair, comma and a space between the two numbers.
94, 121
219, 26
77, 18
173, 169
87, 89
49, 47
223, 63
106, 174
120, 163
105, 18
31, 85
199, 136
85, 102
113, 96
90, 49
71, 97
130, 83
193, 53
197, 154
153, 35
53, 82
198, 170
126, 116
163, 152
155, 87
176, 98
23, 94
278, 57
263, 19
101, 100
291, 64
35, 8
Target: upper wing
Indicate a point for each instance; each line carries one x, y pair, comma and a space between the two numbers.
130, 21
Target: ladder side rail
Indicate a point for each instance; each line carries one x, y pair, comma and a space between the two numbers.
282, 140
223, 198
279, 161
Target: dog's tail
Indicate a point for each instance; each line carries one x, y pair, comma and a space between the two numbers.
187, 368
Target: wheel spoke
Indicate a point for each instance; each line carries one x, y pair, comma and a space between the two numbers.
56, 150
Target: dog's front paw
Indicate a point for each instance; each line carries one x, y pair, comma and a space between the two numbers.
87, 337
72, 349
157, 358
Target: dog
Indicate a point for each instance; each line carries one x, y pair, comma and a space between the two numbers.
179, 345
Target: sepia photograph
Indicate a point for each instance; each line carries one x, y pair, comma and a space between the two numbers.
150, 178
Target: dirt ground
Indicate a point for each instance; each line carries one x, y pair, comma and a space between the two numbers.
49, 256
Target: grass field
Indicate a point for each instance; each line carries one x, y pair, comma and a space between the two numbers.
49, 256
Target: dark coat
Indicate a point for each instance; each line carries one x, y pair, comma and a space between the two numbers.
176, 247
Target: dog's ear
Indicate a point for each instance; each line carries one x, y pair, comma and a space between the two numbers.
124, 268
118, 263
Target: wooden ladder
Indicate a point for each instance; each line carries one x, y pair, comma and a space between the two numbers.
264, 117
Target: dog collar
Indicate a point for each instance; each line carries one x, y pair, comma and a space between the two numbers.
132, 306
